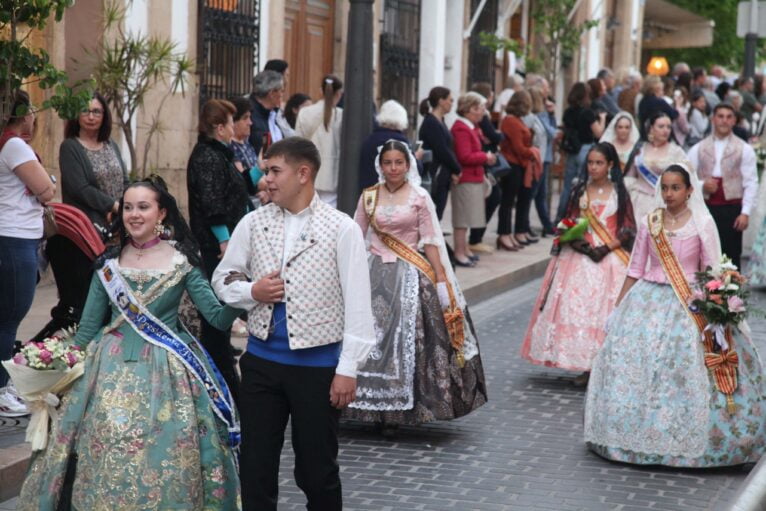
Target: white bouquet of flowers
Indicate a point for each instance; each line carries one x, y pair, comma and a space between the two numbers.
42, 371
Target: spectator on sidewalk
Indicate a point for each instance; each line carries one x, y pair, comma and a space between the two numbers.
583, 126
321, 123
468, 186
392, 124
218, 199
266, 99
490, 140
750, 104
606, 77
294, 105
245, 157
24, 187
701, 82
437, 138
652, 102
629, 97
93, 177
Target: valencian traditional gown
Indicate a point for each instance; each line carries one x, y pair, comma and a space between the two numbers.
641, 190
651, 400
566, 329
412, 375
141, 426
756, 268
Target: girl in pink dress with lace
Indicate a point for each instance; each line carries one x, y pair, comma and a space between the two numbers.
651, 399
414, 374
583, 279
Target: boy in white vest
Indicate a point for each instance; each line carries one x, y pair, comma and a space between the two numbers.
310, 324
727, 168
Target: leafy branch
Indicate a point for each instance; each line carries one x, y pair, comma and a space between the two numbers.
22, 65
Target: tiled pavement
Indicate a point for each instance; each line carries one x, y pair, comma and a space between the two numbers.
522, 451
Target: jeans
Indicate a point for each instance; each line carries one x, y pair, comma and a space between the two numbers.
540, 196
574, 164
18, 279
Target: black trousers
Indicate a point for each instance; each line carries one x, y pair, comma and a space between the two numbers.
72, 271
490, 205
218, 342
440, 186
731, 239
270, 394
523, 207
510, 187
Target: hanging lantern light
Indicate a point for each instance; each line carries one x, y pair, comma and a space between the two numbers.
658, 66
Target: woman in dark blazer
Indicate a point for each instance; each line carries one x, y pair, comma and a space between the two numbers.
218, 199
437, 138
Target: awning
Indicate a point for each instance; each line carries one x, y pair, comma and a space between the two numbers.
667, 25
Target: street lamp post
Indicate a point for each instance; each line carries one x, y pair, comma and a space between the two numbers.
357, 102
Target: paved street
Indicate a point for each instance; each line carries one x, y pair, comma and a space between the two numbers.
521, 451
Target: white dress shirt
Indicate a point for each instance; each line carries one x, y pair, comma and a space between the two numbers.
353, 273
747, 168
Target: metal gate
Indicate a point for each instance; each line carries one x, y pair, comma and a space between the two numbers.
400, 54
228, 53
481, 61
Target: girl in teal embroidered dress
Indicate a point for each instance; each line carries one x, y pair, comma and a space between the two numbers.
138, 424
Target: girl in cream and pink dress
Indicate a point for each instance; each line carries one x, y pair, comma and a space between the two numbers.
414, 373
582, 282
651, 399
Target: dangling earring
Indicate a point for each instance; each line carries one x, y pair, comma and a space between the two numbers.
159, 229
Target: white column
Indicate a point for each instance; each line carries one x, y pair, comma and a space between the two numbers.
453, 45
136, 22
432, 47
179, 25
595, 41
263, 35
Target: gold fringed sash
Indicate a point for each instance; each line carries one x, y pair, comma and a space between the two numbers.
722, 365
453, 315
600, 229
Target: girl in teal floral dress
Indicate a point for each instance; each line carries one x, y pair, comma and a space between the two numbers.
148, 425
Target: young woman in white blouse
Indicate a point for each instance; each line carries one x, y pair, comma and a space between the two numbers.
24, 187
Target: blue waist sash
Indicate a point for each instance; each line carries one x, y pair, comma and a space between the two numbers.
153, 331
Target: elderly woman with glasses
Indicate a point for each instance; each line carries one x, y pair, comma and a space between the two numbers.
93, 177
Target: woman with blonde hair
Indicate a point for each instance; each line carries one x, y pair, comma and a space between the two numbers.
321, 123
468, 186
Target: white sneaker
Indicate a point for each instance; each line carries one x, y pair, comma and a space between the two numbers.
11, 405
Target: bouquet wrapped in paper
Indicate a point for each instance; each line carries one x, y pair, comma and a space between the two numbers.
41, 372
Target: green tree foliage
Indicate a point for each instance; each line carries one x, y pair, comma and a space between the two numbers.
21, 65
561, 36
727, 49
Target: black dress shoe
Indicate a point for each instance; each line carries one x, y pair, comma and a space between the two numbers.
466, 264
548, 231
474, 258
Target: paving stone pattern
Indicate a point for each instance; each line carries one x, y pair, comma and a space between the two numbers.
523, 450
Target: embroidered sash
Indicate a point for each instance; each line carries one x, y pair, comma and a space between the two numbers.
153, 331
723, 364
600, 229
453, 316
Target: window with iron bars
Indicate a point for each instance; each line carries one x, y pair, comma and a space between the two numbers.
228, 53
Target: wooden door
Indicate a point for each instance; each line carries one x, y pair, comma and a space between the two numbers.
309, 35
